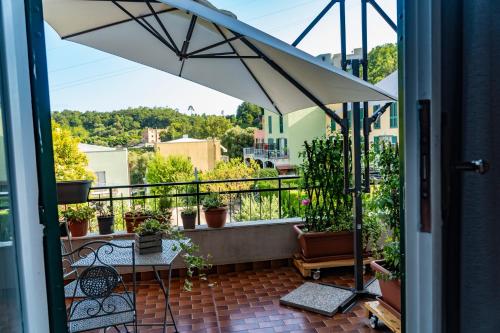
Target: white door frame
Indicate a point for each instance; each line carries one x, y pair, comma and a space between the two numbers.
23, 172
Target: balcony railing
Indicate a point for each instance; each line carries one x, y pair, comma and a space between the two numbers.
247, 199
272, 154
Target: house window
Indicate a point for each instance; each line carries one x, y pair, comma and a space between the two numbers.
270, 124
376, 125
394, 116
394, 140
101, 178
281, 124
270, 142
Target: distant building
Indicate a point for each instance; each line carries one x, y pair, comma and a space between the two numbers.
204, 154
151, 136
110, 166
281, 140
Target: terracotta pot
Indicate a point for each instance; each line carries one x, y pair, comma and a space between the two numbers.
133, 221
324, 244
106, 224
188, 221
391, 289
78, 228
216, 217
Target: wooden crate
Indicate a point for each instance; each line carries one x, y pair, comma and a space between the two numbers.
306, 268
381, 313
148, 244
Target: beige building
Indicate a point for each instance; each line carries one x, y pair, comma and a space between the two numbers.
204, 154
151, 136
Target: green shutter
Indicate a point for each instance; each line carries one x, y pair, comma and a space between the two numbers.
270, 124
394, 139
281, 124
376, 141
332, 125
394, 116
377, 123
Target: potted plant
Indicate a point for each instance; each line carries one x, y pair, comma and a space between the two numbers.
387, 193
215, 210
327, 229
105, 218
72, 192
135, 217
148, 236
163, 212
78, 218
188, 216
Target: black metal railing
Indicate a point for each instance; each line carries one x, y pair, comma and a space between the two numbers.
247, 199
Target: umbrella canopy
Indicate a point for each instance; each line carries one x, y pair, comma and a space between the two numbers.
196, 41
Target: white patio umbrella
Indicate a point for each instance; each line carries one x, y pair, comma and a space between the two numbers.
196, 41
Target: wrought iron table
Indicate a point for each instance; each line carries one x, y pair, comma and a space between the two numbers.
122, 258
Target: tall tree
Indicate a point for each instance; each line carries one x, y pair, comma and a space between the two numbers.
237, 138
248, 115
382, 61
69, 162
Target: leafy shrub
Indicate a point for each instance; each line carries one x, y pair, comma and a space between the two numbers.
213, 200
387, 195
78, 213
256, 207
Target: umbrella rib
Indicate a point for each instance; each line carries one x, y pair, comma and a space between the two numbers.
185, 44
148, 2
294, 82
152, 32
212, 46
113, 24
248, 69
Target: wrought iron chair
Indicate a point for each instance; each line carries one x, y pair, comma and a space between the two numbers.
68, 271
105, 301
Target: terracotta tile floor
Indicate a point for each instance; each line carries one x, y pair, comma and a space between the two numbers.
246, 302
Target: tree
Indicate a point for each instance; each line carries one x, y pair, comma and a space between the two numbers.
174, 168
237, 138
234, 169
248, 115
69, 162
382, 61
165, 136
137, 164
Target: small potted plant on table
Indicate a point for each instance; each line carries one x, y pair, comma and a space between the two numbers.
215, 210
105, 218
78, 218
388, 270
148, 236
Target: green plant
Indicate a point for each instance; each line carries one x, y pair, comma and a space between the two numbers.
258, 208
388, 201
189, 210
139, 210
327, 208
373, 226
103, 209
5, 233
78, 213
150, 227
213, 200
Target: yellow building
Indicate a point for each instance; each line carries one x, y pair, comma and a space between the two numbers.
204, 154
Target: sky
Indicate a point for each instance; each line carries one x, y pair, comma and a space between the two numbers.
85, 79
